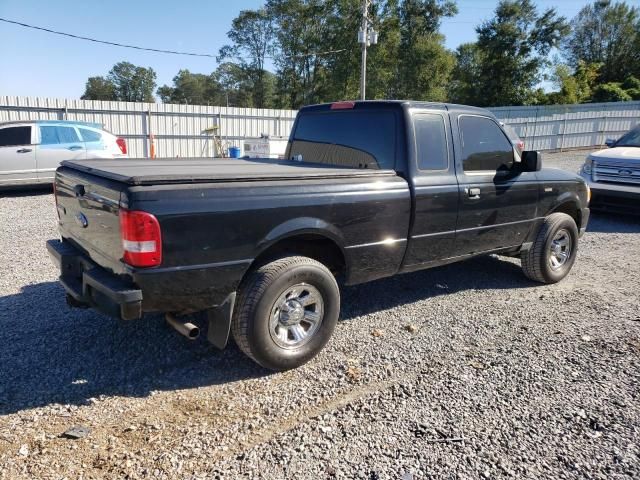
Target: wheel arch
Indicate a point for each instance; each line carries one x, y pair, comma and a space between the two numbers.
570, 205
310, 237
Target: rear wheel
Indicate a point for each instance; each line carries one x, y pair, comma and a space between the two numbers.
286, 312
554, 250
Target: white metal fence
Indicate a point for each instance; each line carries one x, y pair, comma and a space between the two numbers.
177, 129
559, 127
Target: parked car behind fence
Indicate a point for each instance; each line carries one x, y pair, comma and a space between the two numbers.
30, 151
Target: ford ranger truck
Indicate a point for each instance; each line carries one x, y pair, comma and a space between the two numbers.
260, 246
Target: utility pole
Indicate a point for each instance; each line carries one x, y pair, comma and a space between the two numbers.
366, 37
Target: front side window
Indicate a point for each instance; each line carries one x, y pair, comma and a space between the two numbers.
67, 135
54, 134
431, 141
13, 136
357, 139
485, 147
48, 135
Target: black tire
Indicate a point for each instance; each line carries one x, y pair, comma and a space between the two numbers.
536, 262
257, 296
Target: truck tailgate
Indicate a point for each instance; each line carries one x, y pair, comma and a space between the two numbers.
88, 208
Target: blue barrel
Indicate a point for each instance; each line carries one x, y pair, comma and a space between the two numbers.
234, 152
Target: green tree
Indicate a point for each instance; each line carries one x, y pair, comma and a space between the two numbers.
574, 87
610, 92
608, 33
193, 89
513, 49
465, 85
252, 34
124, 82
424, 63
132, 83
99, 88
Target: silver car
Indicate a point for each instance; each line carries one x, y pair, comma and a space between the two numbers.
614, 174
30, 151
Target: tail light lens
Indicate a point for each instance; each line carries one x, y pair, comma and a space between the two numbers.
141, 238
122, 144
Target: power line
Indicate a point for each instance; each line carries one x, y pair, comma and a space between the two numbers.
157, 50
115, 44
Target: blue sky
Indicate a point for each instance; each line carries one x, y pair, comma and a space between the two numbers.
42, 64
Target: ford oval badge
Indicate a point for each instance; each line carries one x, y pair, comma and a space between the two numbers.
82, 220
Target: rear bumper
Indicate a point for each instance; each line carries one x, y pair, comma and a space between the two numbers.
89, 285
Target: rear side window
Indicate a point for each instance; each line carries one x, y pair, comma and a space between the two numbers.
484, 145
53, 134
15, 136
431, 141
90, 135
358, 139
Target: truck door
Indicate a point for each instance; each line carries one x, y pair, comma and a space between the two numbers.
57, 143
17, 155
498, 203
435, 190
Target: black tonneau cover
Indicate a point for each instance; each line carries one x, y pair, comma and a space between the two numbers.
145, 171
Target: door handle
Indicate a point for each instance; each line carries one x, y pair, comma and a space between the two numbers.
75, 147
23, 150
473, 193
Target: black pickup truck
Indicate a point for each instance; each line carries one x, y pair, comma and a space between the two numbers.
369, 190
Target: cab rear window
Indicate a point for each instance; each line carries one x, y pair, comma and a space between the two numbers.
356, 139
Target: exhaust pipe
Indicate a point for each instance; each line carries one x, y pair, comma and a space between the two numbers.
187, 329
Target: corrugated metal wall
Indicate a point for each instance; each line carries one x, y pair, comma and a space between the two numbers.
558, 127
177, 128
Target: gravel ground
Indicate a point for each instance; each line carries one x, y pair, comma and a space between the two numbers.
465, 371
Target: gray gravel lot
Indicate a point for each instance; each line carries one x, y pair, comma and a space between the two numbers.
465, 371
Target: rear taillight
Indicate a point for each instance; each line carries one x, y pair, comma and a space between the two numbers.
122, 144
141, 238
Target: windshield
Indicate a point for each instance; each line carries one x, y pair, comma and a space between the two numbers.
356, 139
630, 139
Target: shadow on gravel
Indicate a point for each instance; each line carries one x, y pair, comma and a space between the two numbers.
480, 273
29, 191
601, 222
51, 354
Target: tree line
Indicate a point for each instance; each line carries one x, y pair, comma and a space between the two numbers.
312, 48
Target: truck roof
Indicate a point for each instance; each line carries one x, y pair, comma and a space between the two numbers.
53, 122
401, 104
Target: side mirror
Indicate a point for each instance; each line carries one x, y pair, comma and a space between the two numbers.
609, 142
531, 161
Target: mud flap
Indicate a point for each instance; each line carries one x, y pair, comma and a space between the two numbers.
219, 320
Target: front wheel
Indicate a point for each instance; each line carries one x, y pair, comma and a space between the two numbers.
286, 312
554, 250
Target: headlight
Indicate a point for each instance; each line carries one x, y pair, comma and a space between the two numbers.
588, 163
588, 195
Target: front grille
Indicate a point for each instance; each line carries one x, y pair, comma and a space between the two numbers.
611, 172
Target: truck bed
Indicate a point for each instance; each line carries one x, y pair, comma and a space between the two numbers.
144, 171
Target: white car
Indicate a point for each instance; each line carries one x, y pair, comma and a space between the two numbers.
30, 151
614, 174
